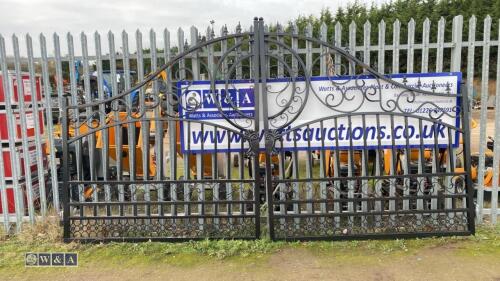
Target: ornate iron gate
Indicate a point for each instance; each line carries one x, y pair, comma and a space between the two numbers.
390, 189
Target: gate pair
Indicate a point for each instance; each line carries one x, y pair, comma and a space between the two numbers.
247, 132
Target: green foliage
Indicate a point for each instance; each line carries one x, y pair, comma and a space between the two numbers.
404, 11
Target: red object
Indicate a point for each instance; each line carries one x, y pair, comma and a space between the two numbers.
30, 125
11, 203
14, 99
19, 161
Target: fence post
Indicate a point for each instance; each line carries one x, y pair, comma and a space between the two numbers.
50, 128
425, 45
496, 149
5, 84
24, 132
484, 101
38, 133
65, 160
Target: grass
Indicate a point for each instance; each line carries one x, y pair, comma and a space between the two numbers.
47, 237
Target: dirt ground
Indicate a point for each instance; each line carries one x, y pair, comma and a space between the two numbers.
450, 261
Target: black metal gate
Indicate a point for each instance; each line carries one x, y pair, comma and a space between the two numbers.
315, 179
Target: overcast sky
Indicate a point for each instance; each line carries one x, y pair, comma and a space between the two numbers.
62, 16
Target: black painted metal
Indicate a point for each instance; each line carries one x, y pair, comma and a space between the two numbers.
428, 197
346, 200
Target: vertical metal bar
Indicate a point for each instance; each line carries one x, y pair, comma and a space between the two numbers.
411, 47
201, 187
102, 122
239, 68
296, 175
145, 128
421, 170
378, 157
295, 47
406, 168
352, 47
393, 160
322, 162
258, 58
364, 151
50, 127
295, 153
38, 131
309, 173
172, 131
182, 75
65, 176
158, 125
350, 154
241, 175
116, 115
395, 46
484, 108
88, 112
496, 149
88, 99
450, 168
131, 124
187, 172
24, 130
351, 208
470, 91
364, 173
367, 29
74, 101
213, 156
227, 171
378, 172
7, 93
393, 170
195, 70
436, 168
456, 65
337, 207
338, 43
456, 50
279, 29
309, 166
426, 28
308, 48
440, 43
268, 61
227, 155
408, 150
282, 186
381, 46
467, 163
